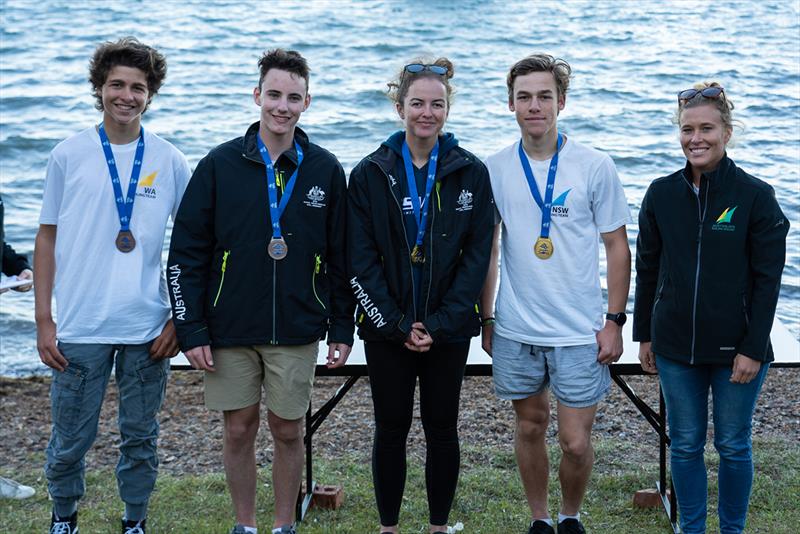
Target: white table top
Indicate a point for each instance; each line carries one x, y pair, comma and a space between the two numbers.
786, 347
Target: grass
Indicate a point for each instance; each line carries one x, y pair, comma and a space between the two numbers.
489, 498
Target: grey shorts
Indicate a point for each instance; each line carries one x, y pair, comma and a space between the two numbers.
577, 379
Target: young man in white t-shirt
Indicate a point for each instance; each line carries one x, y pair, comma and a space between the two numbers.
108, 193
556, 199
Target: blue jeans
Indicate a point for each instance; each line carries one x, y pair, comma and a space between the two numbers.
76, 396
685, 389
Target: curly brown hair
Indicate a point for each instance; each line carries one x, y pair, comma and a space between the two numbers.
127, 52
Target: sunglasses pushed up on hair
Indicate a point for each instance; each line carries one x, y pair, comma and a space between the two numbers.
416, 68
707, 92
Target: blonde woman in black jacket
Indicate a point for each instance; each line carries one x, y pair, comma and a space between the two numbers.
419, 223
710, 253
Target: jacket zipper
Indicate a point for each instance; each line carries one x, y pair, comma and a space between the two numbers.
744, 310
274, 300
701, 212
317, 264
222, 278
430, 276
658, 298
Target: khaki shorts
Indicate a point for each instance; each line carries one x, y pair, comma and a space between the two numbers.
286, 372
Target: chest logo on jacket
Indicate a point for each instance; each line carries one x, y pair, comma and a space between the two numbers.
316, 197
558, 208
145, 188
724, 221
464, 201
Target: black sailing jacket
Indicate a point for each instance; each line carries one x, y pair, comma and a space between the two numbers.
12, 263
457, 246
224, 288
708, 267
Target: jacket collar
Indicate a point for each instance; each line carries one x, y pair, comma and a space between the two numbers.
250, 145
450, 160
716, 178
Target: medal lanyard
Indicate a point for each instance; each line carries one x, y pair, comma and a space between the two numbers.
551, 180
276, 209
124, 204
419, 214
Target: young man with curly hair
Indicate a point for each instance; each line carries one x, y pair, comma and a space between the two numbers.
108, 193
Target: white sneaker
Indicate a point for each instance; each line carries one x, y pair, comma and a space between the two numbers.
10, 489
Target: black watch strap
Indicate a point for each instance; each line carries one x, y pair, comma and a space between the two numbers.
618, 318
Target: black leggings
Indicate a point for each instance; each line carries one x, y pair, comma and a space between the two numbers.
393, 372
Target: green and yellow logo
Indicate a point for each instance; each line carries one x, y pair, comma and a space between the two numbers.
723, 222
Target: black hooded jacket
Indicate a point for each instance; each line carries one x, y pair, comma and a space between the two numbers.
224, 288
457, 245
708, 266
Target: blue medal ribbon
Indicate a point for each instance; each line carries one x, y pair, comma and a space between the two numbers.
544, 205
276, 209
124, 203
419, 214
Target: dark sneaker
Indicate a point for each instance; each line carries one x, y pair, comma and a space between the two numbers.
288, 529
238, 529
540, 527
64, 525
133, 527
571, 526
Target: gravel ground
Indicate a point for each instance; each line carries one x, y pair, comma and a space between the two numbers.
191, 435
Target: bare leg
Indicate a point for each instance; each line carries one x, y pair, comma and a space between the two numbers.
287, 466
239, 457
575, 438
533, 416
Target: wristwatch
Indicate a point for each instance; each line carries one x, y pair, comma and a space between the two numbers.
618, 318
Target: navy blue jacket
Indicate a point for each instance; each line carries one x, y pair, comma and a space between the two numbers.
457, 246
224, 287
708, 266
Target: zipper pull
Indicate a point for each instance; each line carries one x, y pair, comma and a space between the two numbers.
317, 263
225, 259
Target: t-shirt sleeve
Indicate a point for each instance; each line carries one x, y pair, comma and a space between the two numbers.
53, 191
182, 175
609, 205
497, 218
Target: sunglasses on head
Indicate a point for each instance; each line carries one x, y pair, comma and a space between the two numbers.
708, 92
416, 68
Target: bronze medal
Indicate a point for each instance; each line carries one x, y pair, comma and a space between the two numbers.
543, 248
277, 249
416, 255
125, 241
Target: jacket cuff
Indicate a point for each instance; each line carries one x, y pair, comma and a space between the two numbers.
434, 326
751, 352
400, 332
198, 338
340, 334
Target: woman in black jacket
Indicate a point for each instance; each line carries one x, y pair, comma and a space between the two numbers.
710, 253
420, 218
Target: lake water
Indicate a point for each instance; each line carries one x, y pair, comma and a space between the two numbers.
629, 60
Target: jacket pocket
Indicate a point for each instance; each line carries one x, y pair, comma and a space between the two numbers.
316, 273
222, 275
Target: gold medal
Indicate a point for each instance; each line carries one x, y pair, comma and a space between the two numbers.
277, 248
543, 248
125, 241
416, 255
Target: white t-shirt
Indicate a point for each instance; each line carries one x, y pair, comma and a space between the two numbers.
104, 295
557, 301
